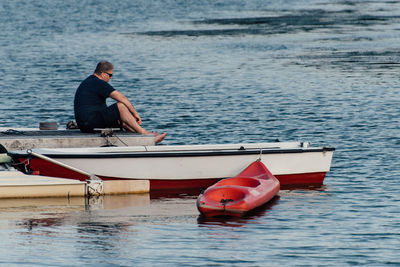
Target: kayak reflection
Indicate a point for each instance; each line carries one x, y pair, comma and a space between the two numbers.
249, 217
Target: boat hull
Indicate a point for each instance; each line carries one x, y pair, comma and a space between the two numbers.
191, 167
286, 182
236, 196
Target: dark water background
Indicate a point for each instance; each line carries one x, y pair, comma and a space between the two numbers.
216, 72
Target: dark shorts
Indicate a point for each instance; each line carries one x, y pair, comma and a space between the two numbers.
106, 118
111, 116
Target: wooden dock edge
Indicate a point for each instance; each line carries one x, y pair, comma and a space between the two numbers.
114, 187
36, 191
14, 184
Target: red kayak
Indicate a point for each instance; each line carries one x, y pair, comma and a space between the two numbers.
235, 196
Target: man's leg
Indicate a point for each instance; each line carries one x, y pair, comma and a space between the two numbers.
128, 121
125, 126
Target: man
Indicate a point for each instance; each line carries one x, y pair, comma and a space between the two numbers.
91, 110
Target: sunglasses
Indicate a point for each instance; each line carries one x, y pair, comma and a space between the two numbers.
109, 74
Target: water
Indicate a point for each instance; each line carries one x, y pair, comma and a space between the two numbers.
215, 72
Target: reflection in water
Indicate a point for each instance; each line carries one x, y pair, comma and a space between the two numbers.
304, 187
253, 215
33, 213
184, 193
249, 217
39, 212
47, 212
109, 202
30, 224
74, 203
174, 193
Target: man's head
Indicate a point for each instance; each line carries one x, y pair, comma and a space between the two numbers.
104, 70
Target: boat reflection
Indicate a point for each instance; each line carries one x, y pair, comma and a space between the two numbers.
249, 217
33, 213
304, 187
184, 193
48, 212
261, 211
175, 193
110, 202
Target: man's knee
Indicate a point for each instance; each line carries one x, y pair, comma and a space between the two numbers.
121, 107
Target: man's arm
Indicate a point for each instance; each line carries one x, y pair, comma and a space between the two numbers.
124, 100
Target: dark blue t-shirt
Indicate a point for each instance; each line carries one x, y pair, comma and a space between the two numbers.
90, 98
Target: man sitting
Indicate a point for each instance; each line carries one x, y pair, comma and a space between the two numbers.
91, 110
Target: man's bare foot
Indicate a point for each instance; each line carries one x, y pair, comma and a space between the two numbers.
159, 137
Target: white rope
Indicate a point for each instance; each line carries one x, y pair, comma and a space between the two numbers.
259, 156
94, 187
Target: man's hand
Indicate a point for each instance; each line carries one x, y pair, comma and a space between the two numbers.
138, 119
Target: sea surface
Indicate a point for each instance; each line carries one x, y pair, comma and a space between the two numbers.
323, 71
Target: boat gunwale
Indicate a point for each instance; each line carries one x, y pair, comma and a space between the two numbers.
176, 153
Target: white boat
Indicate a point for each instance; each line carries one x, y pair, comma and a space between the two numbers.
184, 166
